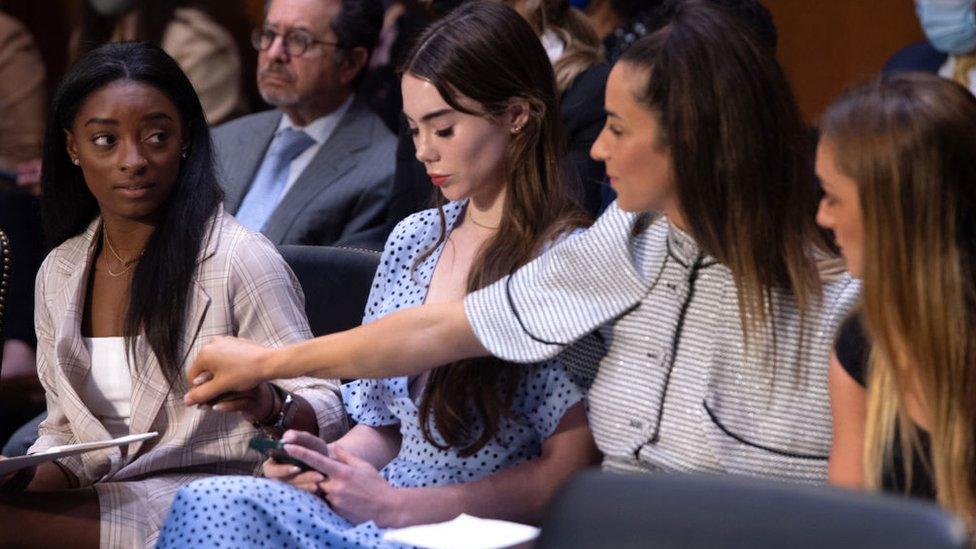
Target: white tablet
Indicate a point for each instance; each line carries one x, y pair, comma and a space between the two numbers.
14, 464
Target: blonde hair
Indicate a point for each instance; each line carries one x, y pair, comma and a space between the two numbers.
909, 141
583, 48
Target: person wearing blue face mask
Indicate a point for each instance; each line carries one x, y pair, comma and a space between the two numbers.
950, 46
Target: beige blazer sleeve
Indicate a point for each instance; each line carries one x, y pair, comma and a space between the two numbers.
22, 94
55, 430
208, 55
269, 306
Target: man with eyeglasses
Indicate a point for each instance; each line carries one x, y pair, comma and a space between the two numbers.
318, 168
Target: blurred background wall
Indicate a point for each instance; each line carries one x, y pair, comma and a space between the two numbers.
824, 45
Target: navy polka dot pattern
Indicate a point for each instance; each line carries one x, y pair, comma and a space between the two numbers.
244, 511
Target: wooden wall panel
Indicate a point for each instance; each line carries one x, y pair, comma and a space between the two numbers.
826, 46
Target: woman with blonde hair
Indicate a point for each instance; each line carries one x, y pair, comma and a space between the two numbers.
898, 167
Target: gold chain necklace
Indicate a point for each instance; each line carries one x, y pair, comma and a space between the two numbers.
471, 219
127, 264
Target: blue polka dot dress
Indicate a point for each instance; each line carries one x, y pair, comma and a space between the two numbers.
254, 512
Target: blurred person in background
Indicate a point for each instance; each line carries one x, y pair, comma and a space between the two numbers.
950, 46
191, 32
22, 102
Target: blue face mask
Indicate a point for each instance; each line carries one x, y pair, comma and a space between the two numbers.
950, 25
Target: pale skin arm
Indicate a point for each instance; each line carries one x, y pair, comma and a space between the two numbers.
406, 342
848, 406
356, 491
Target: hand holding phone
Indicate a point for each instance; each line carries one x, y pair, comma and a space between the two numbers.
275, 449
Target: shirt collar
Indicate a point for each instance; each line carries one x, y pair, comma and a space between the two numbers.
322, 127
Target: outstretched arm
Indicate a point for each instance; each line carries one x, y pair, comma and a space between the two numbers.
403, 343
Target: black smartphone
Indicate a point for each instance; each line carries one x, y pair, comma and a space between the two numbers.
275, 449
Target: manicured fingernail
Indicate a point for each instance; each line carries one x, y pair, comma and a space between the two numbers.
202, 378
294, 470
220, 407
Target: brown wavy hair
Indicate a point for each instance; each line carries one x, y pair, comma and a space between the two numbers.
740, 154
909, 141
486, 52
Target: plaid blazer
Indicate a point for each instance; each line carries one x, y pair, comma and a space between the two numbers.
242, 288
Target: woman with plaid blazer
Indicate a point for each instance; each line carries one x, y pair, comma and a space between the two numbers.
147, 269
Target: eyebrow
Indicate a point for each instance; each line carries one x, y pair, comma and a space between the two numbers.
611, 113
432, 115
113, 122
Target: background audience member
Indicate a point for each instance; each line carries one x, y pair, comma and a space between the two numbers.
317, 169
898, 166
203, 47
712, 323
950, 48
581, 77
403, 21
22, 95
22, 103
145, 270
476, 436
638, 18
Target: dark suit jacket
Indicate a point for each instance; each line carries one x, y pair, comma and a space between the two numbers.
342, 197
920, 56
582, 113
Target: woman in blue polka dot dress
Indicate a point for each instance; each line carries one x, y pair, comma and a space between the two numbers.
477, 436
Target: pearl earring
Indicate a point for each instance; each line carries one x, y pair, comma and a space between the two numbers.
75, 161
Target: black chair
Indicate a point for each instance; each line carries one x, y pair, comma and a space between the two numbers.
617, 511
336, 282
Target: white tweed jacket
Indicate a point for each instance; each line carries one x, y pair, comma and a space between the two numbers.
651, 323
242, 288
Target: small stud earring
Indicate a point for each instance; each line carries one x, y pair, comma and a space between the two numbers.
75, 161
184, 153
516, 129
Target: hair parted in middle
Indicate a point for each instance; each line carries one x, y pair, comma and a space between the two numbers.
487, 53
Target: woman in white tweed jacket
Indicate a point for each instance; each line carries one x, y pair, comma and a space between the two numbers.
704, 327
128, 167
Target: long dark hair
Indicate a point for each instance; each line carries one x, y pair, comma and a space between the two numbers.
488, 53
741, 165
161, 280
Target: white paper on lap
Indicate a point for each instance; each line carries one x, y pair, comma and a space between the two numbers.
464, 532
56, 452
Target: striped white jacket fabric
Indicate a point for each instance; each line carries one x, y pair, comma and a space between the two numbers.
636, 309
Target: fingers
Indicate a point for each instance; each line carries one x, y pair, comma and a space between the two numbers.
279, 471
321, 463
243, 405
306, 439
202, 378
202, 394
